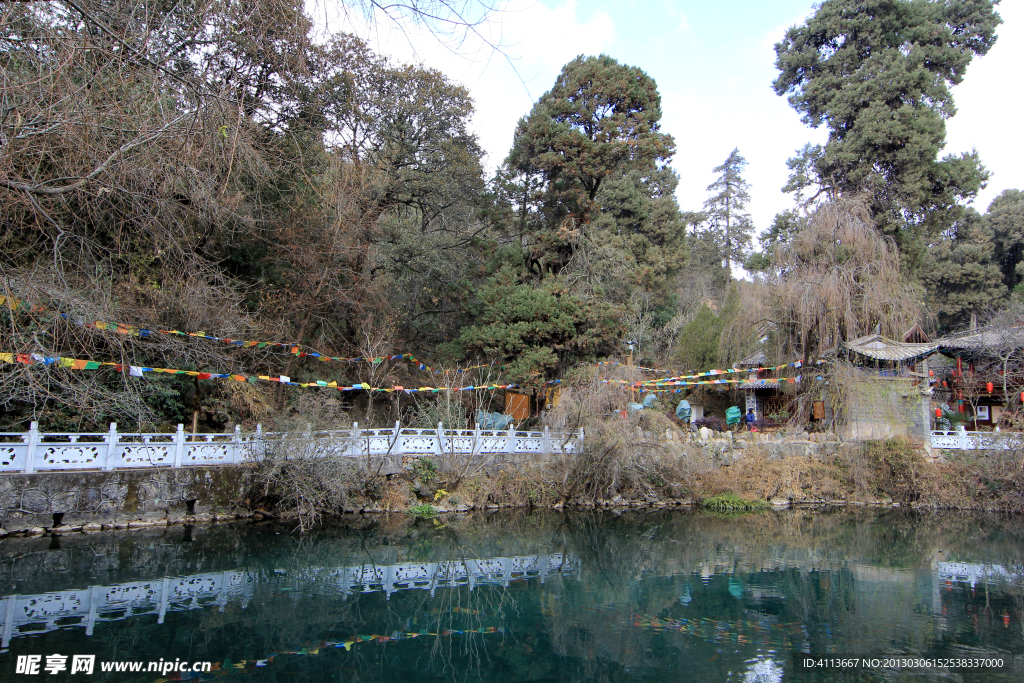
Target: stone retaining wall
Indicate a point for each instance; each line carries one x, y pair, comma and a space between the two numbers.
74, 499
728, 447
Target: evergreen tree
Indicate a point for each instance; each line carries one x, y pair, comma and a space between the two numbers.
698, 342
1005, 217
637, 235
726, 210
536, 332
961, 275
600, 119
877, 74
784, 227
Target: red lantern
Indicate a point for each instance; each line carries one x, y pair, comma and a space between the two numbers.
989, 387
944, 383
1022, 397
931, 373
938, 412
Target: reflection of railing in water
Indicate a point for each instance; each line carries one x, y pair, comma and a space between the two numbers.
27, 614
973, 573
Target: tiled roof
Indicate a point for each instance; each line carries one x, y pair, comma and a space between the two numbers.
878, 347
760, 384
755, 360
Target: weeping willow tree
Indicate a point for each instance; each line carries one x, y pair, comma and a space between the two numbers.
836, 280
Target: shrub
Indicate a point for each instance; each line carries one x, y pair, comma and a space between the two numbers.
424, 469
899, 468
303, 468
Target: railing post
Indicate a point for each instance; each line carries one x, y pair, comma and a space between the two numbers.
111, 445
236, 446
94, 599
179, 445
510, 440
30, 450
165, 589
440, 439
393, 443
477, 444
5, 640
545, 444
356, 446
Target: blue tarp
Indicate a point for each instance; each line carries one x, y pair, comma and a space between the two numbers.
493, 420
732, 415
648, 402
683, 410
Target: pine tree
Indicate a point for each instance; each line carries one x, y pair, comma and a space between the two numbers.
877, 74
1005, 217
600, 120
699, 340
726, 210
961, 275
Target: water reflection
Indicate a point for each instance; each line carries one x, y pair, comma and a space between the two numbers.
662, 596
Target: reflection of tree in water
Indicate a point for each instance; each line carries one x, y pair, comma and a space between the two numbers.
661, 595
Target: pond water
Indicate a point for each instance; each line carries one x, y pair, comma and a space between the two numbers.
516, 596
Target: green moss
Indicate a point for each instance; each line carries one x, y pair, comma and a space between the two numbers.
423, 510
730, 503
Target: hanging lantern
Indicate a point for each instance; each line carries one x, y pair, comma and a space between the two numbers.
944, 383
989, 387
931, 373
938, 412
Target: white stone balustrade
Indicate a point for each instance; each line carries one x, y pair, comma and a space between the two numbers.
977, 441
36, 451
33, 614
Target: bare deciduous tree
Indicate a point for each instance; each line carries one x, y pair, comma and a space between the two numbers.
837, 280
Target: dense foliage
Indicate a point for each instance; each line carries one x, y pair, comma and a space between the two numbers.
210, 166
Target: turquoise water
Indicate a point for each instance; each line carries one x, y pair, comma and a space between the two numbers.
514, 596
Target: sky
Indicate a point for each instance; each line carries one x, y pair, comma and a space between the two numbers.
714, 66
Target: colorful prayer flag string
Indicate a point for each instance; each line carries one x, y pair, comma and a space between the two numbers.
138, 371
294, 348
